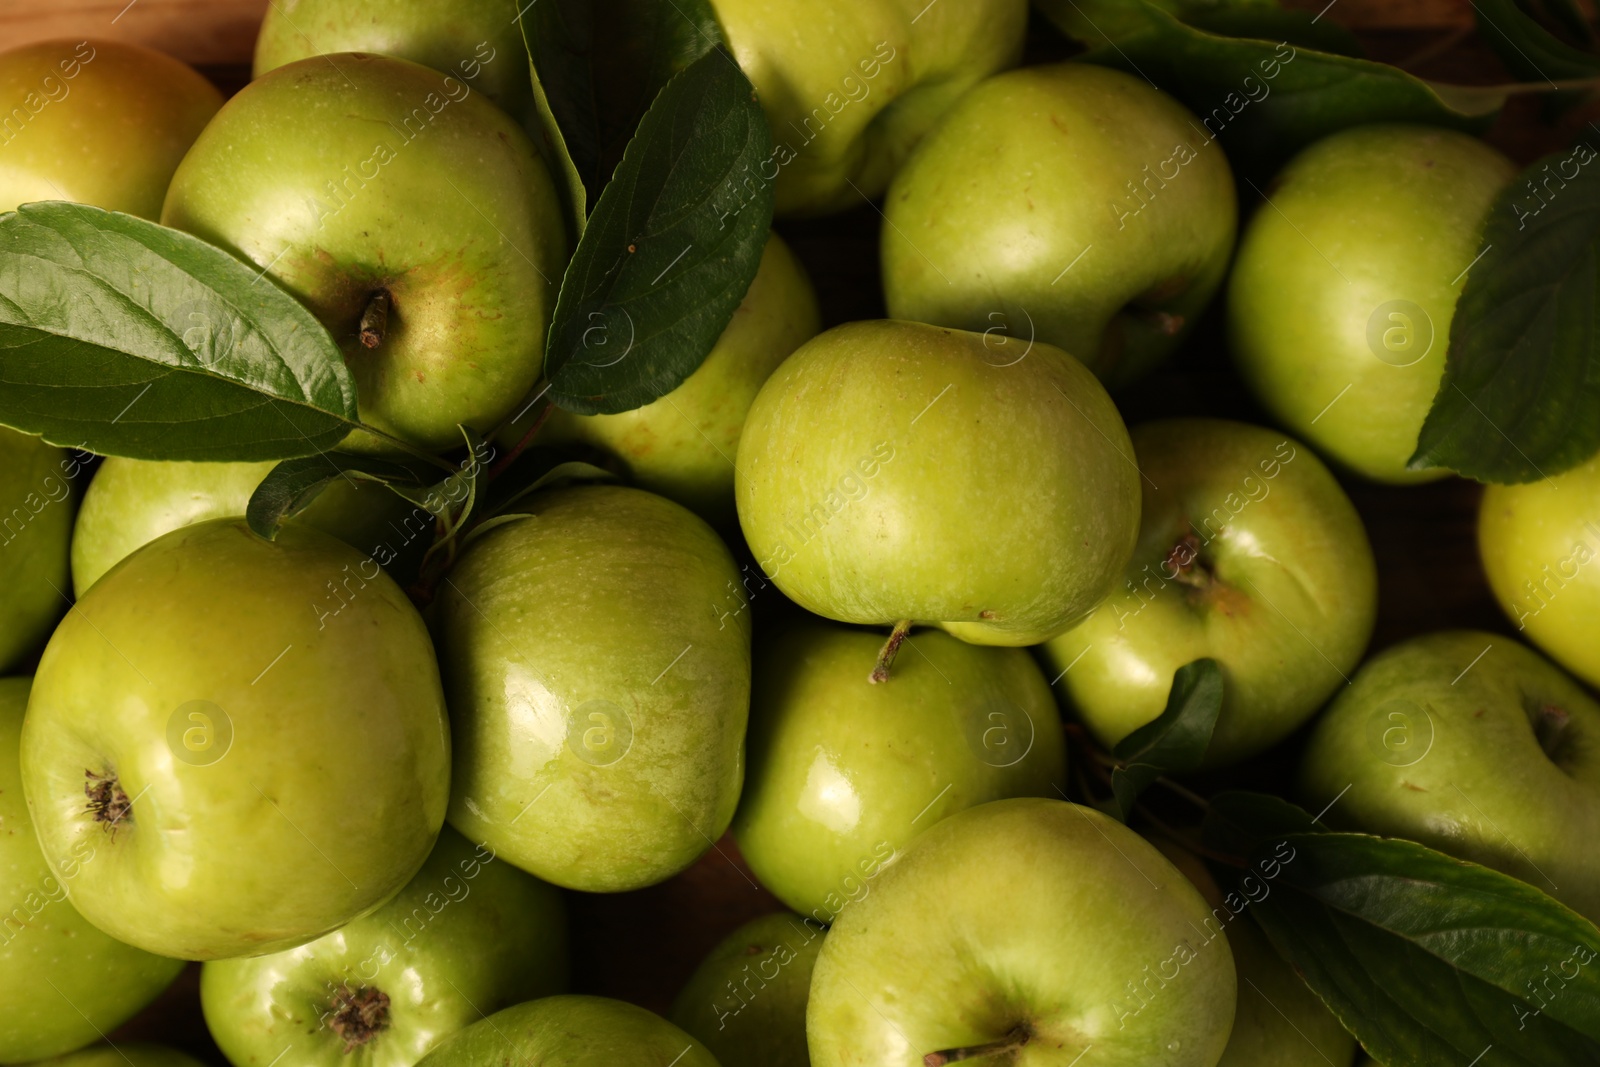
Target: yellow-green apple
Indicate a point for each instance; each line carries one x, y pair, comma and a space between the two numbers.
97, 122
1540, 544
124, 1054
63, 982
469, 935
571, 1031
849, 86
254, 759
599, 697
746, 1002
683, 444
978, 942
412, 216
1472, 744
37, 499
1070, 203
844, 774
877, 459
1341, 296
1249, 554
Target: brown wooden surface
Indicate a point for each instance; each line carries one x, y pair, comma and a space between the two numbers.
641, 946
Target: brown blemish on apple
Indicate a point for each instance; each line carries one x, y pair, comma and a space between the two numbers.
1413, 787
359, 1015
1055, 120
108, 803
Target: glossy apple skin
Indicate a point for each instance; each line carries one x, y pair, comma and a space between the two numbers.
332, 785
63, 982
747, 1000
1288, 603
1365, 217
1540, 545
344, 175
599, 700
1025, 912
469, 935
876, 458
106, 123
987, 221
38, 496
849, 86
131, 502
1440, 749
683, 445
124, 1054
844, 774
571, 1031
477, 41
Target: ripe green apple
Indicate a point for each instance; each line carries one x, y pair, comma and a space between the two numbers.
1472, 744
259, 767
844, 774
849, 86
468, 935
1540, 544
1037, 925
124, 1054
478, 41
37, 500
599, 698
683, 445
746, 1002
1072, 203
876, 459
1341, 296
131, 502
1249, 553
413, 218
571, 1032
97, 122
62, 981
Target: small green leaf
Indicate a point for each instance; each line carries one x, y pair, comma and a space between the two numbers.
1527, 48
1521, 385
126, 338
1176, 740
291, 486
670, 248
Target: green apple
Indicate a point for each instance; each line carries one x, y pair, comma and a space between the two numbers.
477, 41
683, 445
131, 502
97, 122
1474, 745
412, 216
571, 1032
124, 1054
62, 981
877, 458
254, 759
849, 86
1341, 296
747, 1000
467, 936
844, 774
1070, 202
1540, 544
37, 500
599, 698
1250, 554
1025, 930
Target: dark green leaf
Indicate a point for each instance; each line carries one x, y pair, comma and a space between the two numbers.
1430, 961
1176, 740
125, 338
1094, 23
670, 248
1527, 48
1520, 397
291, 486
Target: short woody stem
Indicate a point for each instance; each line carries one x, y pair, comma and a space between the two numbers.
880, 672
1010, 1043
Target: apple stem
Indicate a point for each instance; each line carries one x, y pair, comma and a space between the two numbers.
1183, 562
375, 320
1010, 1043
880, 672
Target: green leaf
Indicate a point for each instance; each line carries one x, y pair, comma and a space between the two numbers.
1176, 740
1093, 23
126, 338
1521, 385
1528, 49
1430, 961
670, 248
291, 486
